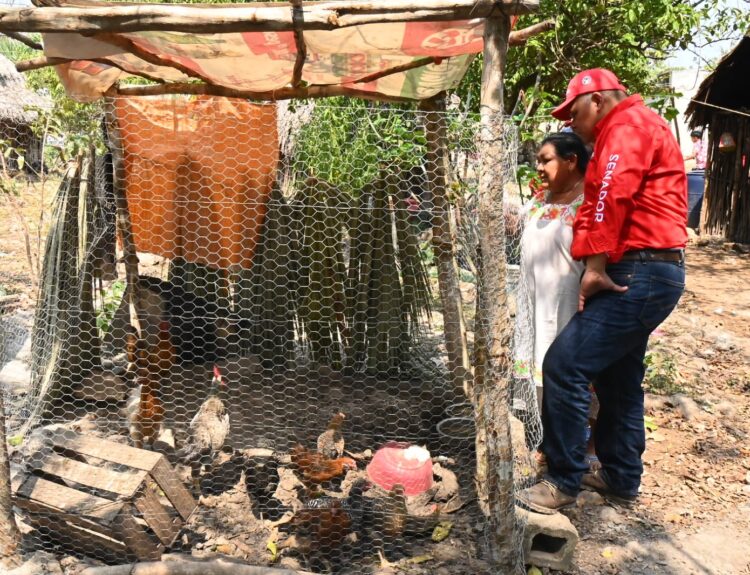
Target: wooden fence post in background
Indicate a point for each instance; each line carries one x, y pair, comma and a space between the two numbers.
442, 240
10, 538
493, 329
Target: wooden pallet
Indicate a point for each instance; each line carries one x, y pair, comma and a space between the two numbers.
103, 498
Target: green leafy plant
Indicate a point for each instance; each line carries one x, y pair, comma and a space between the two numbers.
110, 301
662, 377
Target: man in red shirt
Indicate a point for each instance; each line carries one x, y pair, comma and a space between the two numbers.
630, 231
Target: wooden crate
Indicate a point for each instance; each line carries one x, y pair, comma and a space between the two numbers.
103, 498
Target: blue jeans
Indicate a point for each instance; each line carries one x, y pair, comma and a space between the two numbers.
606, 344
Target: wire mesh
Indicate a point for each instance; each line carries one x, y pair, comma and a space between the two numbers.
248, 295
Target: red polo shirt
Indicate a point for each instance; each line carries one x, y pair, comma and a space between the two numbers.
635, 194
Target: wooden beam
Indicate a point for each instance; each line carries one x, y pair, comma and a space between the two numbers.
299, 40
494, 475
45, 61
10, 537
40, 62
280, 94
519, 37
24, 40
208, 19
396, 69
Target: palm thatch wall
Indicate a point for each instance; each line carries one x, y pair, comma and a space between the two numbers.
723, 104
18, 110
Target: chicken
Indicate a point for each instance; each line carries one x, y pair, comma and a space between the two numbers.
208, 431
144, 409
261, 481
316, 468
385, 520
320, 527
331, 442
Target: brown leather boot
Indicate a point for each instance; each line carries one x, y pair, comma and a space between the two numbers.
545, 498
595, 482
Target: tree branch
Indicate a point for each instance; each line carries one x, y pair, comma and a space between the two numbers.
520, 37
24, 40
280, 94
248, 18
298, 19
45, 61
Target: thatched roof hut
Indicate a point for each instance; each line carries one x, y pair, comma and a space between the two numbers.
723, 104
18, 109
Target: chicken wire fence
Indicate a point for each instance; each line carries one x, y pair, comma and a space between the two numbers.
249, 295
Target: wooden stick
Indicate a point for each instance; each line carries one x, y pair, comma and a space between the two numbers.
280, 94
217, 567
124, 223
44, 61
400, 68
494, 476
299, 39
233, 18
10, 537
442, 240
24, 40
519, 37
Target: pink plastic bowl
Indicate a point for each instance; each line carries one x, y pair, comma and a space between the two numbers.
410, 466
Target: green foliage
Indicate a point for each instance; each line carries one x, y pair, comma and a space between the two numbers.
74, 124
111, 299
663, 377
629, 37
347, 140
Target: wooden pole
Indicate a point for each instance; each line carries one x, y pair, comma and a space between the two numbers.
45, 61
10, 537
492, 391
124, 223
209, 19
298, 19
442, 240
24, 40
280, 94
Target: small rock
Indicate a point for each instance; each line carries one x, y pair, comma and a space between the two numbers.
609, 515
653, 402
706, 353
39, 562
589, 498
719, 310
724, 341
747, 478
687, 407
726, 408
636, 548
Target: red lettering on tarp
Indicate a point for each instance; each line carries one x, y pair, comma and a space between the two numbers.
442, 38
275, 45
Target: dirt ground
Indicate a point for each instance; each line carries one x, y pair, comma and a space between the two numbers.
693, 516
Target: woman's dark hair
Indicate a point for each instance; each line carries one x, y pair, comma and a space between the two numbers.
696, 133
567, 145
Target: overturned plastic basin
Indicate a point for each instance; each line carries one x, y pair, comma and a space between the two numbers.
408, 465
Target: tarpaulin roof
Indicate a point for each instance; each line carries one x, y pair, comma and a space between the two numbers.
265, 61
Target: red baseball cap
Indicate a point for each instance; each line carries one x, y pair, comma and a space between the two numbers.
586, 82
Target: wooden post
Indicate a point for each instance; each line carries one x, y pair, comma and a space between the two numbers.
124, 224
492, 390
442, 240
10, 538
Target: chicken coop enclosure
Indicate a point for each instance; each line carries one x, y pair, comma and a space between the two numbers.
274, 333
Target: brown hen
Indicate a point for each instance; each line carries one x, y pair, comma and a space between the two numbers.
331, 441
317, 468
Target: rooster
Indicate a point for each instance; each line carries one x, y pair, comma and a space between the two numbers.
144, 408
208, 431
317, 468
321, 526
386, 520
331, 442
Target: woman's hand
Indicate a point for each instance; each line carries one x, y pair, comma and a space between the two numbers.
595, 279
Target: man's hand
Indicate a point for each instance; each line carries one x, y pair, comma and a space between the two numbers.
595, 279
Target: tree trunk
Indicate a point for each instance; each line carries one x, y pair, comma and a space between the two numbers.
10, 538
493, 328
442, 240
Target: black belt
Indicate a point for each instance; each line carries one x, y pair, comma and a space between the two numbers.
654, 256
